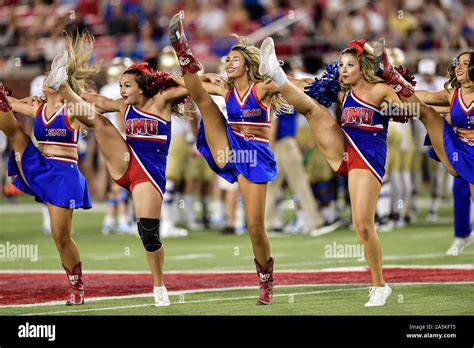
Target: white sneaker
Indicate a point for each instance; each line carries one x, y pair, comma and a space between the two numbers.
161, 296
58, 73
174, 231
268, 59
108, 228
326, 228
432, 216
123, 228
378, 296
46, 229
195, 226
459, 244
387, 226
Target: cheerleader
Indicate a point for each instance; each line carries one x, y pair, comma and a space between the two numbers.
45, 164
452, 138
237, 149
137, 163
358, 147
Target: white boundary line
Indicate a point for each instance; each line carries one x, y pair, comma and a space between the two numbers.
197, 291
231, 298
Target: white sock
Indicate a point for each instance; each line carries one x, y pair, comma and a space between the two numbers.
384, 202
407, 188
218, 210
108, 220
239, 214
435, 202
123, 220
46, 218
332, 211
397, 192
279, 77
189, 204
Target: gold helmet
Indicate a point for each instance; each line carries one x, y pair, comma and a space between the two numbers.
396, 56
168, 61
117, 68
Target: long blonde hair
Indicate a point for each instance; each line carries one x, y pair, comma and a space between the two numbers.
80, 50
366, 62
251, 56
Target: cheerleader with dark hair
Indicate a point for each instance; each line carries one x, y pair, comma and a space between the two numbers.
137, 163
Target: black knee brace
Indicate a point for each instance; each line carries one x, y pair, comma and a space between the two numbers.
149, 231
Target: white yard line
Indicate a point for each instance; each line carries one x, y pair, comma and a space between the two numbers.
195, 301
197, 291
177, 293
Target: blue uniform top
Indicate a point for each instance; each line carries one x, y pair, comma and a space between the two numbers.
49, 178
462, 115
56, 130
365, 130
248, 110
359, 114
286, 125
149, 137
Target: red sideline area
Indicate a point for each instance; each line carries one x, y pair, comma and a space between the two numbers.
27, 288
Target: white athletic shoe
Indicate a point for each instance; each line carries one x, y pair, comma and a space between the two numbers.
269, 63
58, 73
108, 228
161, 296
328, 227
378, 295
173, 232
459, 244
432, 216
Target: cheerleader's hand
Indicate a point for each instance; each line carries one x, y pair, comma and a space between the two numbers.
33, 100
215, 79
465, 133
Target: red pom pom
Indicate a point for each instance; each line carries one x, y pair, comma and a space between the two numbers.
7, 91
407, 75
401, 119
162, 81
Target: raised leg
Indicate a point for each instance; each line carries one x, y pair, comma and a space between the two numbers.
327, 132
214, 122
432, 121
111, 144
9, 124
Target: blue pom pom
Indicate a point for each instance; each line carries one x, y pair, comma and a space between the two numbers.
325, 89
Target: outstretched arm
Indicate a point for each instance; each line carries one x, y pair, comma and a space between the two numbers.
172, 94
25, 106
81, 110
439, 98
212, 86
104, 104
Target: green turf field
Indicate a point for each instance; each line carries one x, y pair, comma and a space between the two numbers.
308, 300
420, 244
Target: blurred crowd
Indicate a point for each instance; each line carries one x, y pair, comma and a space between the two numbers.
30, 31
